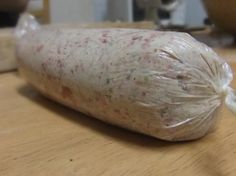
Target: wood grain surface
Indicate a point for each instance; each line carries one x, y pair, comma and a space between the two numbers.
39, 137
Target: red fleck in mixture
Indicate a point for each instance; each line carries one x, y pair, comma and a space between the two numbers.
39, 48
66, 92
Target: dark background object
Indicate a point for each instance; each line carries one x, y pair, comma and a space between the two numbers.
8, 19
222, 13
10, 10
139, 14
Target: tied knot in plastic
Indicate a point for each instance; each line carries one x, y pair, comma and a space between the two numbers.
230, 98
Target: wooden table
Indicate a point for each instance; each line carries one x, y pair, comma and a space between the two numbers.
41, 138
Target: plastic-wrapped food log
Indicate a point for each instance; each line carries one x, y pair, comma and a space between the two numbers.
163, 84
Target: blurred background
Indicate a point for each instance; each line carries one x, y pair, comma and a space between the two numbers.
185, 12
164, 14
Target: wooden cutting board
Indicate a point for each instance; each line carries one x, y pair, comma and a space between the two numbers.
39, 137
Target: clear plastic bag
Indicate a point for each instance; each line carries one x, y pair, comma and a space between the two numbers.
164, 84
